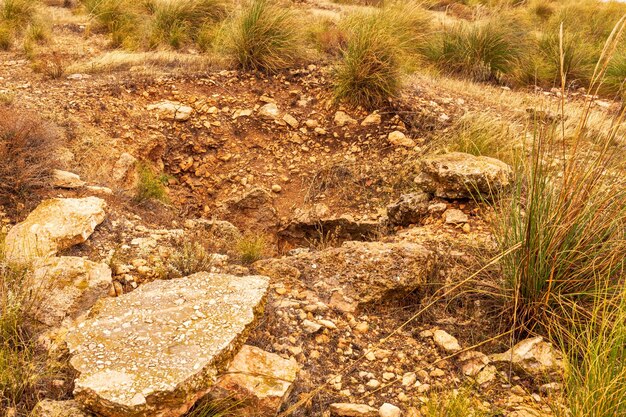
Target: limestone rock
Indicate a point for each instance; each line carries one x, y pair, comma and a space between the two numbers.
352, 410
269, 111
306, 226
291, 121
255, 209
257, 381
124, 172
68, 287
157, 350
398, 138
446, 341
534, 356
342, 119
389, 410
371, 119
455, 216
172, 110
55, 224
361, 272
409, 209
66, 179
460, 175
49, 408
472, 362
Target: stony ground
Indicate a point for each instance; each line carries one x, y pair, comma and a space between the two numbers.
274, 157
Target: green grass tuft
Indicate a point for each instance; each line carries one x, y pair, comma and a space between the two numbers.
251, 248
151, 186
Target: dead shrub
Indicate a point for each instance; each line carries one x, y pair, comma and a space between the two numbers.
27, 152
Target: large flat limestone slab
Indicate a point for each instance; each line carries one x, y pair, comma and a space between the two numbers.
154, 352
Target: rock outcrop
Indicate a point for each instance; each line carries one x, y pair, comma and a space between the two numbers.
533, 356
56, 224
66, 287
157, 350
460, 175
171, 110
49, 408
257, 381
409, 209
359, 272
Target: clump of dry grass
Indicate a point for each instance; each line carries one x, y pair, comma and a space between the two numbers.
189, 258
21, 18
263, 36
27, 152
251, 248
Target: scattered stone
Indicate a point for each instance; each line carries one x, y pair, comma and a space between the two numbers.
342, 119
55, 225
352, 410
409, 209
310, 326
65, 179
534, 356
269, 111
50, 408
472, 362
488, 374
157, 350
172, 110
389, 410
408, 379
291, 121
461, 175
257, 381
446, 341
398, 138
69, 285
277, 188
371, 119
455, 216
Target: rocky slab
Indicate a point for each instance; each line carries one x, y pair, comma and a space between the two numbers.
67, 287
258, 381
55, 224
157, 350
358, 272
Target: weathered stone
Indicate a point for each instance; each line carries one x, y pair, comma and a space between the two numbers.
157, 350
534, 356
472, 362
172, 110
307, 226
66, 179
455, 216
371, 119
409, 209
257, 381
461, 175
353, 410
362, 272
269, 111
446, 341
342, 119
291, 121
398, 138
254, 210
49, 408
389, 410
55, 224
124, 172
67, 286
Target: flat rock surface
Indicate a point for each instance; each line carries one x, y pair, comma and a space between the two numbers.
56, 224
155, 351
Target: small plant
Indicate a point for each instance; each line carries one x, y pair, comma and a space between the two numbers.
251, 248
27, 146
150, 185
453, 404
6, 37
379, 46
263, 36
18, 13
190, 258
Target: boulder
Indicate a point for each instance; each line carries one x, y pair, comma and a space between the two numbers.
67, 287
446, 341
360, 272
124, 172
157, 350
55, 225
66, 179
49, 408
460, 175
257, 381
352, 410
533, 356
171, 110
409, 209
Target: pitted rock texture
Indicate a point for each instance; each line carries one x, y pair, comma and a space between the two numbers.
409, 209
460, 175
49, 408
55, 224
67, 286
258, 381
157, 350
358, 272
